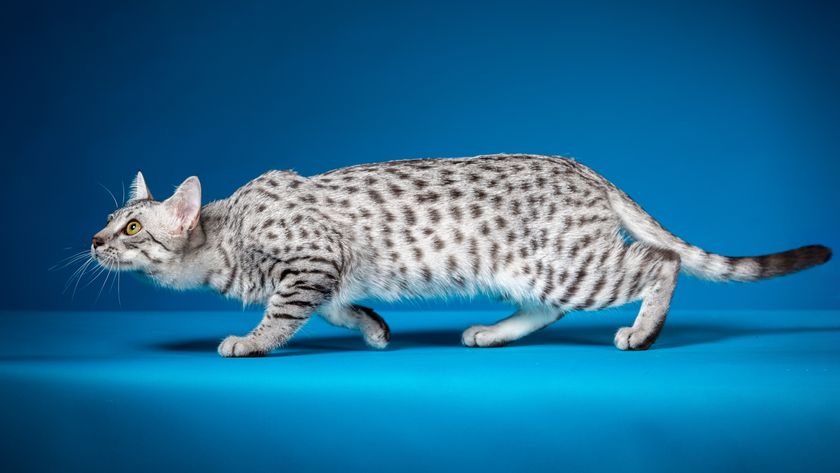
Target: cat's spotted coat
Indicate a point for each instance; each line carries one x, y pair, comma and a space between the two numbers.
546, 233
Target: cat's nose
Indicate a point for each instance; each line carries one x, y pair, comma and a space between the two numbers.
97, 242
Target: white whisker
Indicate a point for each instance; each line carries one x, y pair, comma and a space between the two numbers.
64, 262
119, 299
114, 281
78, 271
96, 273
79, 278
116, 204
103, 286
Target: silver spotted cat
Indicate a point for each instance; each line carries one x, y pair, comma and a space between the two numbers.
546, 233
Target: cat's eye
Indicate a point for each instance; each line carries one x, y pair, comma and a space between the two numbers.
133, 227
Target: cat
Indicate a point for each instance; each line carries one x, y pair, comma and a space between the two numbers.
544, 232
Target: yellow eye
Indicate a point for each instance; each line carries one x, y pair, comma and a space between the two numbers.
133, 227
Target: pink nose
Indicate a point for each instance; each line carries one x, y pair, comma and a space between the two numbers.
97, 242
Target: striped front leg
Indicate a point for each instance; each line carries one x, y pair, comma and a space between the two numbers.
284, 315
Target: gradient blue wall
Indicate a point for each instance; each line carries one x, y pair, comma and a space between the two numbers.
720, 118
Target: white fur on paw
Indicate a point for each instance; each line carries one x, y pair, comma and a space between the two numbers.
234, 346
377, 338
483, 336
629, 338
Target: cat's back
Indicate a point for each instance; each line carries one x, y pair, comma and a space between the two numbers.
491, 170
521, 187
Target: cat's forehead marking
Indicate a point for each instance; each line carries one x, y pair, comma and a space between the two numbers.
130, 208
138, 205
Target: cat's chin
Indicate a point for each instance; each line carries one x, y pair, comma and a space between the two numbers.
125, 266
115, 265
143, 276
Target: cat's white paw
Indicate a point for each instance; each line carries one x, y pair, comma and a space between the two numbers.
375, 330
377, 337
483, 336
629, 338
234, 346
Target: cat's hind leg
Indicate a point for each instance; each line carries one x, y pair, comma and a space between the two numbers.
524, 322
374, 329
658, 269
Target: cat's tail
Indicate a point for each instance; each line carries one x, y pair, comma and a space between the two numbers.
698, 262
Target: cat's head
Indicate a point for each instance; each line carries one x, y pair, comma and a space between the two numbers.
147, 235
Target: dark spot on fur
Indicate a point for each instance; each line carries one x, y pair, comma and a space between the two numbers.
410, 216
434, 215
375, 196
395, 190
428, 197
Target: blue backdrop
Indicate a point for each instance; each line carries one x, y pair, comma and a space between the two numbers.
720, 118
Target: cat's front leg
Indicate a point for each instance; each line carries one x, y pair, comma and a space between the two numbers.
283, 316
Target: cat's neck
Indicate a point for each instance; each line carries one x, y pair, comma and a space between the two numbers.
201, 255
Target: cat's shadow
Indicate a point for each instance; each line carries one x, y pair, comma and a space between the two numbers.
673, 336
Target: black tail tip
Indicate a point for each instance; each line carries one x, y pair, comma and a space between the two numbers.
819, 254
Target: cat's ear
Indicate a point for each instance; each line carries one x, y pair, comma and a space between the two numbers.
185, 205
139, 189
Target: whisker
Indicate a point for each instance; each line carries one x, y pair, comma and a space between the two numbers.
114, 281
85, 250
79, 278
111, 287
116, 204
65, 262
78, 271
119, 280
97, 272
71, 258
81, 250
103, 286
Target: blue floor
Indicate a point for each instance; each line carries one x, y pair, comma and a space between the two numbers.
740, 391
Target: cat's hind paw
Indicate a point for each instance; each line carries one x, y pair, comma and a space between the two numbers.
483, 336
629, 338
377, 337
374, 328
239, 347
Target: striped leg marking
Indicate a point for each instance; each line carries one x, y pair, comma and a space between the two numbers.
283, 316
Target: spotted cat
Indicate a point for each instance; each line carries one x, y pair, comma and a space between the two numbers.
546, 233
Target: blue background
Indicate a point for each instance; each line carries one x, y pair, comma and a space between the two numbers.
720, 118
